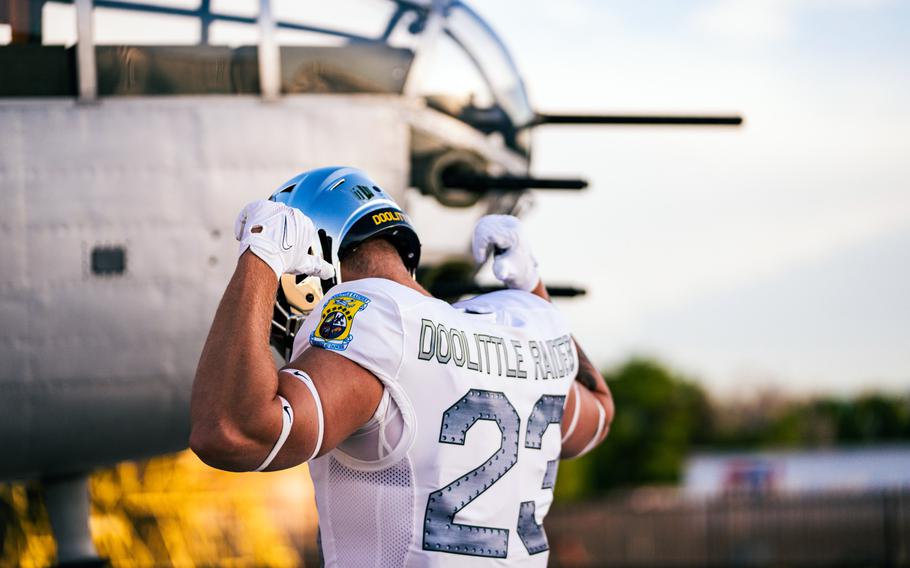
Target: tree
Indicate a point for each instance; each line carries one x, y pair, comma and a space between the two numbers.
659, 416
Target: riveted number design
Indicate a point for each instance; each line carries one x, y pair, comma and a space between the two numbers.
547, 411
441, 532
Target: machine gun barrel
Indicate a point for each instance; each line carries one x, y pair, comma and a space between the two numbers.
454, 289
481, 183
671, 120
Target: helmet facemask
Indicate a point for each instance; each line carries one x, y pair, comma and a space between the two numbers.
297, 296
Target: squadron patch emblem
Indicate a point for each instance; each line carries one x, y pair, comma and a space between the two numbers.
334, 329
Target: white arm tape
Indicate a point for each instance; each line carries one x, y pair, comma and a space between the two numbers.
320, 418
287, 420
601, 422
287, 416
575, 413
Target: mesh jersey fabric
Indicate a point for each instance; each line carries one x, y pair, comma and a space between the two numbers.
365, 518
475, 394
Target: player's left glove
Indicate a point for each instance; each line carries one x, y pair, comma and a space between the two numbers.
513, 262
281, 236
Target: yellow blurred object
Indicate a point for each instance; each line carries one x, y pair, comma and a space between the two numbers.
174, 511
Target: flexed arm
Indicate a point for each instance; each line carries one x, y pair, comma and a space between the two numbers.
245, 415
589, 406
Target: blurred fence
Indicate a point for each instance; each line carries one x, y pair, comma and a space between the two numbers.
656, 529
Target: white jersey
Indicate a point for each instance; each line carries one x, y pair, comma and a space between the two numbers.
465, 476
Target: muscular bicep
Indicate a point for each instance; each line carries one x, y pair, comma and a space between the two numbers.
348, 394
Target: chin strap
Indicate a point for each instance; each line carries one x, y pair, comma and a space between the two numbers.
325, 241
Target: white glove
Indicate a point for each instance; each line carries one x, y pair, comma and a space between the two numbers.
281, 236
513, 262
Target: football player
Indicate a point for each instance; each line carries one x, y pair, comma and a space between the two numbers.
432, 430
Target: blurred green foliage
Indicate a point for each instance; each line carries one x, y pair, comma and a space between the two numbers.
662, 416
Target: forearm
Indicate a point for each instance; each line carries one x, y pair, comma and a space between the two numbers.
236, 380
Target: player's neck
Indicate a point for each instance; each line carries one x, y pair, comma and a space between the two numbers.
404, 279
378, 259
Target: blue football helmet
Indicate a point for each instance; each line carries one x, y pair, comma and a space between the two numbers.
347, 208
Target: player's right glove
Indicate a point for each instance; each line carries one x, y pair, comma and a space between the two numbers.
513, 262
281, 236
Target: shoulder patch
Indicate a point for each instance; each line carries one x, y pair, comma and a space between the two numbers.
334, 329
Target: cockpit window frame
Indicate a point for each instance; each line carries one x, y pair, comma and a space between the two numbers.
478, 61
206, 17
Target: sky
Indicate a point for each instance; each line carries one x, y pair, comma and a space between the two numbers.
775, 256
